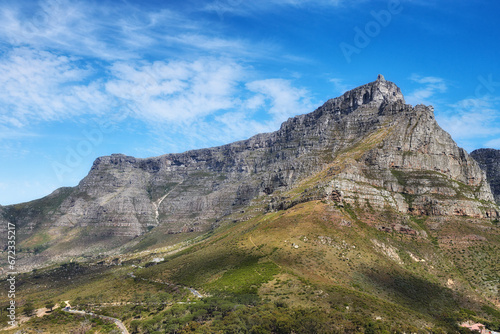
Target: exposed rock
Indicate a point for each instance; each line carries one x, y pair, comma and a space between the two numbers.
489, 161
403, 229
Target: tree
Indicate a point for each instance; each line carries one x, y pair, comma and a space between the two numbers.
62, 304
28, 309
50, 304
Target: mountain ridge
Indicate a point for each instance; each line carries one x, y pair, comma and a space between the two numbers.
371, 145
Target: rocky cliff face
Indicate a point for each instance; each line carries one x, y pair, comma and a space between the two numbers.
489, 161
367, 147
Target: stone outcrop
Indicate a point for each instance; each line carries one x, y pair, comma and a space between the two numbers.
489, 161
369, 146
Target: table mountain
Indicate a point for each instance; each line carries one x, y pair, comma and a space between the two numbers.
367, 148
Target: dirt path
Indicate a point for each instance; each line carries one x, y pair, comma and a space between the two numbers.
118, 322
265, 255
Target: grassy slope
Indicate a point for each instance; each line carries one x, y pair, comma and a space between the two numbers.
315, 256
315, 267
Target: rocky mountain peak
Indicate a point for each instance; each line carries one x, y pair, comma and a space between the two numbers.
378, 94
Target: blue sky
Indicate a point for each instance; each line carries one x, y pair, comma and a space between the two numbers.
82, 79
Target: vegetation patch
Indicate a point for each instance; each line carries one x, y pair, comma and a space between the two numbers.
245, 279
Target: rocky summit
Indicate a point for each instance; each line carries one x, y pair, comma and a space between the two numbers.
366, 148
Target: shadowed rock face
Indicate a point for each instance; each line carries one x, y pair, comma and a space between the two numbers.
489, 161
383, 152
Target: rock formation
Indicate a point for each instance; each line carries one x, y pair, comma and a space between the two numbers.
489, 161
372, 148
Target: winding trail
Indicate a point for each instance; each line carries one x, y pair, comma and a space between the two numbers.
264, 254
118, 322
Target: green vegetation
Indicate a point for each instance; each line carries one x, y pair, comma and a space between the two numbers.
245, 279
28, 309
63, 322
50, 304
313, 267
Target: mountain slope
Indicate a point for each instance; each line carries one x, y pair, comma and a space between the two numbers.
320, 266
372, 148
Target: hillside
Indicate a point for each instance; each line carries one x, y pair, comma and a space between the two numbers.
363, 216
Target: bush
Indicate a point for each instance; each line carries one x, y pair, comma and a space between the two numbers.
50, 305
28, 309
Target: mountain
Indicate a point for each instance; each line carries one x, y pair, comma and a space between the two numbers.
363, 216
372, 148
489, 160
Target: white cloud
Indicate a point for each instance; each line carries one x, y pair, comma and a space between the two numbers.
68, 59
124, 32
39, 85
54, 24
432, 86
281, 99
261, 106
472, 120
186, 92
277, 98
175, 91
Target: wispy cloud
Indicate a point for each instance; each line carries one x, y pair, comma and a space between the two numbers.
42, 86
472, 119
112, 33
187, 97
56, 25
246, 8
175, 91
273, 100
45, 75
280, 97
431, 86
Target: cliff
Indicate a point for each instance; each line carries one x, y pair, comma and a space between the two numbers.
489, 161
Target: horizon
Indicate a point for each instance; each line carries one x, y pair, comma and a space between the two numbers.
82, 80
